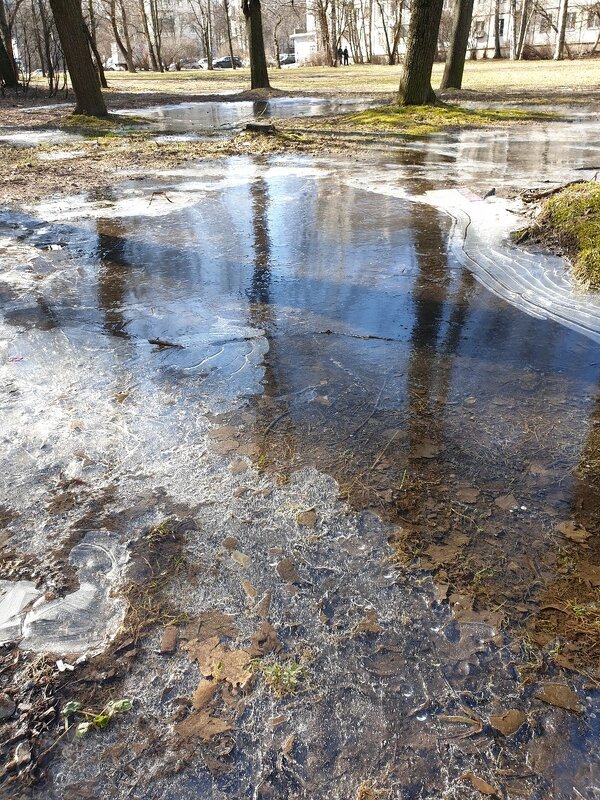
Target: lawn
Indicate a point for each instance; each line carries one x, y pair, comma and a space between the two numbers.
493, 78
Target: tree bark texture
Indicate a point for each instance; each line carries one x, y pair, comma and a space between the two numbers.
459, 41
74, 41
415, 87
259, 77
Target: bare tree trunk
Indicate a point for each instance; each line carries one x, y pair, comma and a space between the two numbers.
6, 33
415, 86
228, 24
209, 34
459, 41
146, 27
562, 29
8, 75
74, 41
526, 10
128, 48
276, 42
98, 60
259, 77
513, 28
334, 35
497, 50
156, 30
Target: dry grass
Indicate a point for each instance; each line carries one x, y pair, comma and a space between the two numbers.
502, 79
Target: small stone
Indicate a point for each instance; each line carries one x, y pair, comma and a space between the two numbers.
238, 466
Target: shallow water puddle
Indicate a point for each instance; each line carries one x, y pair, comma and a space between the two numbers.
215, 115
327, 326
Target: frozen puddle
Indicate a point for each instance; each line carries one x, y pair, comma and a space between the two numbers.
82, 621
536, 283
215, 115
337, 317
34, 138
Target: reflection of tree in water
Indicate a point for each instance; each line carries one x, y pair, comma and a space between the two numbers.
113, 271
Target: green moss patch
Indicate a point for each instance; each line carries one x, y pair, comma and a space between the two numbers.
417, 120
102, 126
570, 221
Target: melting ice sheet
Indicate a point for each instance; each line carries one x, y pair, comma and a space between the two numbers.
536, 283
82, 621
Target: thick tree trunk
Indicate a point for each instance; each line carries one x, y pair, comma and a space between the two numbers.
497, 50
334, 35
7, 72
415, 87
459, 41
259, 77
6, 33
562, 28
74, 42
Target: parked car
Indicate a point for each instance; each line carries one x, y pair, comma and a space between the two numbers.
225, 62
287, 58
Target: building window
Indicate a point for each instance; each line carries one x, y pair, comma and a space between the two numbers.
480, 27
571, 20
593, 19
501, 26
545, 23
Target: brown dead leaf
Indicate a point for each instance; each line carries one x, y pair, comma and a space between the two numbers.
264, 641
509, 722
225, 432
225, 446
573, 532
201, 725
557, 694
287, 571
426, 449
478, 783
211, 623
241, 558
506, 502
249, 590
467, 495
368, 624
203, 694
217, 661
462, 609
307, 518
589, 574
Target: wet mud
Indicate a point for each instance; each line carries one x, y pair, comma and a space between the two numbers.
354, 493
